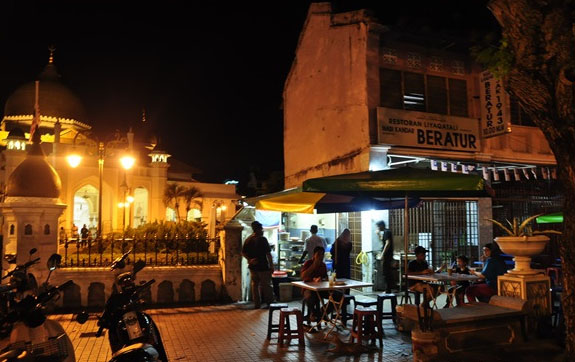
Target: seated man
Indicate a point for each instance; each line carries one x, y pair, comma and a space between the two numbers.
314, 270
494, 266
419, 266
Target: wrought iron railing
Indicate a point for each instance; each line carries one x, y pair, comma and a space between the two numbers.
155, 251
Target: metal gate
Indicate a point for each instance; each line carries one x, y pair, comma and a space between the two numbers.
447, 228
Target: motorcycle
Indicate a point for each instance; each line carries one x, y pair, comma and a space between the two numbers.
132, 334
29, 335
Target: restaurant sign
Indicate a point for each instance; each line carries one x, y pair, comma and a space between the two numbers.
495, 115
427, 130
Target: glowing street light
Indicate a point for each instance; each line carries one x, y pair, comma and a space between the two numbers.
74, 160
127, 162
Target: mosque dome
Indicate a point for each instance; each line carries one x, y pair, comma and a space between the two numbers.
34, 177
56, 100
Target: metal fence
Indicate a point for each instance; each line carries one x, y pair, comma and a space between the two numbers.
155, 251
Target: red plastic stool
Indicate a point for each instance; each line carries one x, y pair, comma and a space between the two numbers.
366, 325
285, 331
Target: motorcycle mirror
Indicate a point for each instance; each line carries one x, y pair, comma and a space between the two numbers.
82, 317
10, 258
54, 262
139, 265
32, 251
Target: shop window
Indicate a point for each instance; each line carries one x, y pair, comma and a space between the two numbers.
28, 229
46, 229
518, 115
11, 229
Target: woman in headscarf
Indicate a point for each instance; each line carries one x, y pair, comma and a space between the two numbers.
340, 251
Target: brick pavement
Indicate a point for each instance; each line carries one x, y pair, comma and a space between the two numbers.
233, 332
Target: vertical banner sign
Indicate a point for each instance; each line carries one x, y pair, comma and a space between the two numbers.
495, 117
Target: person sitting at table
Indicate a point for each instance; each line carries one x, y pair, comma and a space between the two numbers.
419, 266
494, 266
314, 270
459, 288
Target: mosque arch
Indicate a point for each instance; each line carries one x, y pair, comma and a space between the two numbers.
86, 206
194, 215
140, 207
171, 214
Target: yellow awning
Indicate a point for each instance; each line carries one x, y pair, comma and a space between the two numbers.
296, 201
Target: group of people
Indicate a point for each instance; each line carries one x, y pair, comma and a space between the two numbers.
81, 237
258, 253
480, 291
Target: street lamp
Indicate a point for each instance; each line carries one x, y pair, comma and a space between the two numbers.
127, 162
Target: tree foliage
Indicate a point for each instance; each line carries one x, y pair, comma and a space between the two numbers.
539, 42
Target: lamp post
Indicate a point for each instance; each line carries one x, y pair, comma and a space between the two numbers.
127, 161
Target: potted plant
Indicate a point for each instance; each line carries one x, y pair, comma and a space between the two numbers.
522, 242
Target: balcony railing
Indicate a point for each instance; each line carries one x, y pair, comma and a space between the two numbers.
155, 251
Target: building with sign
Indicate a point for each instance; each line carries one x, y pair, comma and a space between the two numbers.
360, 96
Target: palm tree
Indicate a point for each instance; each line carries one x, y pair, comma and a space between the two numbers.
172, 197
191, 195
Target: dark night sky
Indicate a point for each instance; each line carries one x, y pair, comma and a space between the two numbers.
210, 75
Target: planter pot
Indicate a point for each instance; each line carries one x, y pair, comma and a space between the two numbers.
522, 248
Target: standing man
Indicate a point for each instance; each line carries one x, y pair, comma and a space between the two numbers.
84, 233
386, 254
257, 251
311, 243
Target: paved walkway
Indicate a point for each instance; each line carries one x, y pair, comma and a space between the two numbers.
234, 332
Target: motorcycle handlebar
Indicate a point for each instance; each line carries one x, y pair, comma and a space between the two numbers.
21, 267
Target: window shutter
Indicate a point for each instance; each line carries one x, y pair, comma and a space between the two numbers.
390, 88
436, 95
458, 97
414, 92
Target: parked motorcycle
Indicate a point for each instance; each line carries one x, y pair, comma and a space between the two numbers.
32, 337
132, 334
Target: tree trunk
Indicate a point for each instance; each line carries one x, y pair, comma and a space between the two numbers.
541, 42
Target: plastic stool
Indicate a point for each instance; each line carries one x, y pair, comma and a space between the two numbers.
273, 327
285, 331
366, 325
387, 315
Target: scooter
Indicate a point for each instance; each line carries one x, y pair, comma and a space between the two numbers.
33, 337
132, 334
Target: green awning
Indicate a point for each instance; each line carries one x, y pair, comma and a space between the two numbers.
297, 201
400, 182
550, 218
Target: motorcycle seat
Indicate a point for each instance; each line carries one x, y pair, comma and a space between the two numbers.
141, 351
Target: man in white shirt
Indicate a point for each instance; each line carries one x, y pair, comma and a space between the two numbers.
312, 242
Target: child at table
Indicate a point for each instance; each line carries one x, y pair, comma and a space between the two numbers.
459, 288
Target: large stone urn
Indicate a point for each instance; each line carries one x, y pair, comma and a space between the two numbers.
522, 248
523, 282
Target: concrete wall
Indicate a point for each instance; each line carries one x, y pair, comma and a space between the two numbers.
185, 284
326, 120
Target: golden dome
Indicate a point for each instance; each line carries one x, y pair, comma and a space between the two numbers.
56, 100
34, 177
